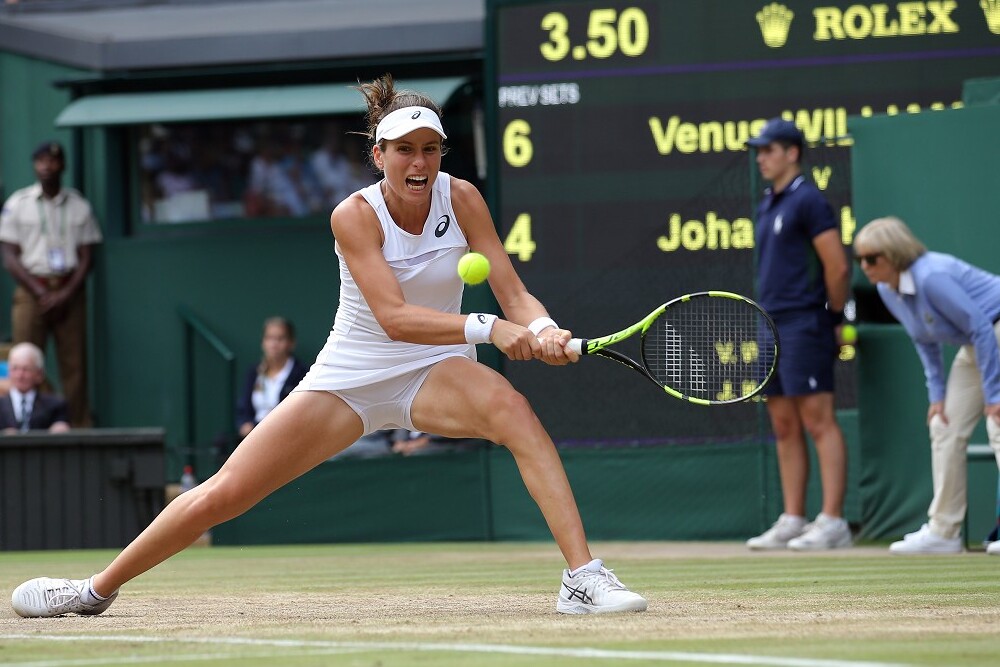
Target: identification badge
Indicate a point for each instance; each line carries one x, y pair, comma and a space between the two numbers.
57, 260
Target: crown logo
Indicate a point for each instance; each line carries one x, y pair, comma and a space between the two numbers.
991, 9
775, 19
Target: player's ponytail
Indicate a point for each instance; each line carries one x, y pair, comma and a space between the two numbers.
382, 99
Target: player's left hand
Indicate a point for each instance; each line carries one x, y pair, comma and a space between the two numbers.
515, 341
553, 347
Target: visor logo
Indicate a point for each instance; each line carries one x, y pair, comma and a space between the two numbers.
416, 114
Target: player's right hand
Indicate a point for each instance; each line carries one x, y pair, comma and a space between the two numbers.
553, 347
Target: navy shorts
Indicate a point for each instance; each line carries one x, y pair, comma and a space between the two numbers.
807, 354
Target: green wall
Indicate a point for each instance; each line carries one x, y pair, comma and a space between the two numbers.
230, 279
938, 172
623, 493
720, 491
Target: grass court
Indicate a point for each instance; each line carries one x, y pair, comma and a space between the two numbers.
493, 604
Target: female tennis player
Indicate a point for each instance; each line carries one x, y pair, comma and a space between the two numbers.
400, 355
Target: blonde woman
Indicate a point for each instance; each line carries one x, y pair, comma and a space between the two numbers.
939, 299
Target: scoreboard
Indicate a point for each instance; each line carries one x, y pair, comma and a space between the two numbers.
619, 176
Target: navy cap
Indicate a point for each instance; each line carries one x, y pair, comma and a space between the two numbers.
778, 129
50, 148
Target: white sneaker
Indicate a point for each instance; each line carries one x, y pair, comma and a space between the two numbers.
993, 548
825, 532
786, 528
926, 542
596, 590
44, 597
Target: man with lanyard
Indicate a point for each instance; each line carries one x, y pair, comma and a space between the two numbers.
802, 281
46, 232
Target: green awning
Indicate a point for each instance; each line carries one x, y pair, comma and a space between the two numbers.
233, 103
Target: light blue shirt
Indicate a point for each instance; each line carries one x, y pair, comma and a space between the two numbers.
942, 299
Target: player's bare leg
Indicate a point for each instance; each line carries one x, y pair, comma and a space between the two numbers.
304, 430
494, 411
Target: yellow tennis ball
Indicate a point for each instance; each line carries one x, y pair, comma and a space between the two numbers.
473, 268
849, 334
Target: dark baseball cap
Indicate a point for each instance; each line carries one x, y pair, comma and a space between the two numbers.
778, 129
50, 148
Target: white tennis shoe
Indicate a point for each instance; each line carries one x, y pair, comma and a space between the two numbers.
785, 529
45, 597
993, 548
596, 590
825, 532
925, 541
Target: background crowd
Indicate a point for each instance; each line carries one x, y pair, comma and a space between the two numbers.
210, 171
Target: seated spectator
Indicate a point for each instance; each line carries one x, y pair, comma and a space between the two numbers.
359, 173
373, 445
281, 181
270, 381
331, 168
417, 443
176, 177
27, 407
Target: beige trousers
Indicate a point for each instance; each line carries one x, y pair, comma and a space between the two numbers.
963, 406
69, 328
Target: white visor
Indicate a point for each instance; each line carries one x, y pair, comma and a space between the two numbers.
403, 121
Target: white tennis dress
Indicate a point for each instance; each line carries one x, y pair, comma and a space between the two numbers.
358, 352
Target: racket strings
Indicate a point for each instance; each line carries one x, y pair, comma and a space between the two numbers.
713, 348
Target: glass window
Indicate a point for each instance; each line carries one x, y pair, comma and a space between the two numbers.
249, 169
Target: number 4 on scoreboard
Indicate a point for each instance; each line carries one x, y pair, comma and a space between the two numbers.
519, 240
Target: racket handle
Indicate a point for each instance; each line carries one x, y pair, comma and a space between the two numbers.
577, 345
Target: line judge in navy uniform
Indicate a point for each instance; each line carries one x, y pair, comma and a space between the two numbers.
802, 281
26, 407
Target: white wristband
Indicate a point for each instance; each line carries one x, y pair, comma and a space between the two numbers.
478, 327
541, 323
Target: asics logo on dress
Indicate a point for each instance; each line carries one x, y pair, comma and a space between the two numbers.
442, 225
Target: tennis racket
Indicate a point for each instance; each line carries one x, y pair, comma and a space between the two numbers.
709, 348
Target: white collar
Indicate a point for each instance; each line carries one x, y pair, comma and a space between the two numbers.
791, 187
283, 374
39, 194
15, 396
906, 283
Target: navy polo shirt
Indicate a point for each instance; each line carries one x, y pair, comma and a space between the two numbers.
789, 272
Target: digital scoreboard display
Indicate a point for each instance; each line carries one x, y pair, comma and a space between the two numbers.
619, 174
